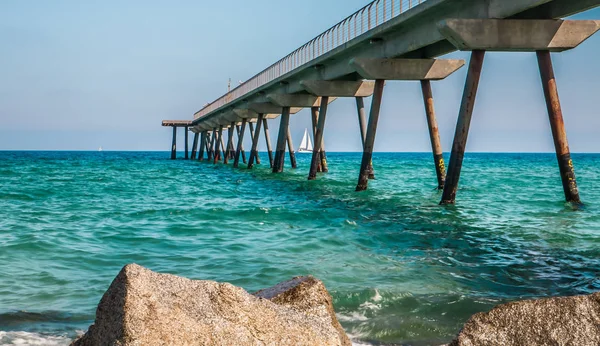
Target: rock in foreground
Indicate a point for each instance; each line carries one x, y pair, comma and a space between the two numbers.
142, 307
554, 321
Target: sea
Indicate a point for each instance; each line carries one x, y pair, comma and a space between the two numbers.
402, 269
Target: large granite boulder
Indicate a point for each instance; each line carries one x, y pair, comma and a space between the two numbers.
142, 307
554, 321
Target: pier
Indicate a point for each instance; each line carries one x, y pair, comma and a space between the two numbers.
387, 41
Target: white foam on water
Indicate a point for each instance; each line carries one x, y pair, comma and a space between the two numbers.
32, 339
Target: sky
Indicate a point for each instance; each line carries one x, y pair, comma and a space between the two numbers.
77, 75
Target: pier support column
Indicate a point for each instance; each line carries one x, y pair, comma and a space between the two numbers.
240, 140
174, 144
255, 138
434, 135
252, 136
363, 177
210, 145
281, 139
362, 122
563, 154
239, 151
229, 139
316, 156
462, 127
187, 157
290, 144
202, 146
314, 112
218, 144
268, 140
195, 146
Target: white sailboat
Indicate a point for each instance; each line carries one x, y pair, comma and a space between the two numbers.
306, 145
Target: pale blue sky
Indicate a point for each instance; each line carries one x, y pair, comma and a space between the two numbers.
83, 74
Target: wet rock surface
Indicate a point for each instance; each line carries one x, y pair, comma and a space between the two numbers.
553, 321
142, 307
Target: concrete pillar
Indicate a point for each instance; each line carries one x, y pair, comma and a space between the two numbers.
268, 140
202, 146
174, 144
314, 112
252, 136
222, 143
187, 157
316, 157
195, 146
290, 144
563, 154
363, 177
238, 152
434, 135
462, 127
240, 140
229, 140
210, 144
255, 138
219, 138
281, 139
362, 123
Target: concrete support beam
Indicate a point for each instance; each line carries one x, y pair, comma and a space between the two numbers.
218, 145
338, 88
268, 142
255, 137
209, 146
202, 145
240, 137
517, 35
316, 156
252, 136
270, 110
367, 158
240, 145
293, 100
291, 151
559, 134
186, 134
462, 127
174, 144
434, 134
281, 139
195, 146
362, 123
405, 69
229, 140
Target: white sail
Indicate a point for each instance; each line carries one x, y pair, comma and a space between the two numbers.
306, 144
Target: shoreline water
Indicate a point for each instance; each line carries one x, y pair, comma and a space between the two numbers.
400, 268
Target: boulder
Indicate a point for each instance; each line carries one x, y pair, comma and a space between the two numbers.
553, 321
142, 307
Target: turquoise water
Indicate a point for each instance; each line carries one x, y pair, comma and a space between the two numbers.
401, 269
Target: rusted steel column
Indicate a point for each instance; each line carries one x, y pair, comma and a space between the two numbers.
362, 122
314, 111
252, 136
462, 127
229, 139
281, 139
268, 140
291, 151
174, 144
236, 161
194, 146
240, 140
363, 177
316, 157
561, 145
434, 134
218, 145
255, 138
202, 146
187, 157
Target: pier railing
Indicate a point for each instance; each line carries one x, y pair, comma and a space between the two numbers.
367, 18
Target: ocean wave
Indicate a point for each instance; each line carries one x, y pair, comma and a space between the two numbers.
26, 338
